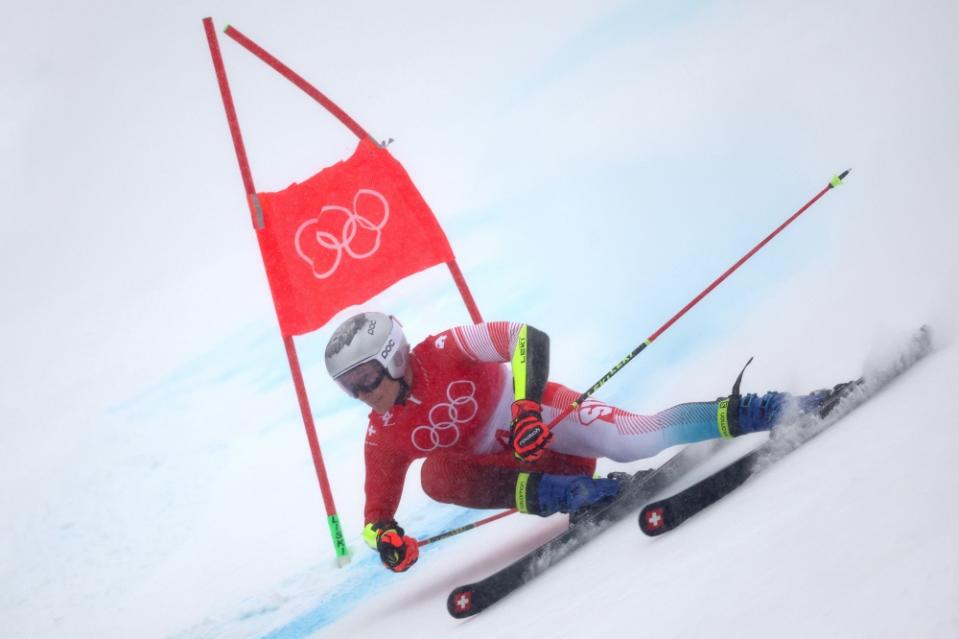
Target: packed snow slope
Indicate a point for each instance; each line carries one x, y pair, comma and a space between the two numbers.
595, 165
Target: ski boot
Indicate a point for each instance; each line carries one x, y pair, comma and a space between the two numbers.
623, 479
752, 413
543, 494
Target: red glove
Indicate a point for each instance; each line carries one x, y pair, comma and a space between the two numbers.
397, 550
528, 435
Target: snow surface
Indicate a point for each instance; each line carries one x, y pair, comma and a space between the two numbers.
595, 164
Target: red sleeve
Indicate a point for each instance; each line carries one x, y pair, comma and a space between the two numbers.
385, 475
488, 341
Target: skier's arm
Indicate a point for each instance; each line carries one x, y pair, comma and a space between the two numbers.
385, 475
523, 346
527, 349
528, 435
530, 362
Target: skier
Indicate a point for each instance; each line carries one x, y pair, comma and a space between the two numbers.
482, 425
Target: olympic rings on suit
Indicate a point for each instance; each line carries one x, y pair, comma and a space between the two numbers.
446, 418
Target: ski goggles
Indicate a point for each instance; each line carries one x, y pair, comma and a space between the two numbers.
364, 378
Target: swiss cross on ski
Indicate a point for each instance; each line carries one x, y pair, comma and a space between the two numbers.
654, 518
464, 601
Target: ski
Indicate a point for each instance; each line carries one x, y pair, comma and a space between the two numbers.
471, 599
666, 514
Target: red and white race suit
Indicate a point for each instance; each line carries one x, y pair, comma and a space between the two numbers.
457, 415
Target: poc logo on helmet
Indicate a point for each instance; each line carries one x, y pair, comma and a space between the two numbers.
372, 328
388, 349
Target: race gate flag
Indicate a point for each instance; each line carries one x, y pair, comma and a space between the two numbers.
344, 235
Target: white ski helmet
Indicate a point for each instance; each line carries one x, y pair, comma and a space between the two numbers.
367, 337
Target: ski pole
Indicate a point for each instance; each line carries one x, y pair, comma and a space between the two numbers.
463, 529
834, 182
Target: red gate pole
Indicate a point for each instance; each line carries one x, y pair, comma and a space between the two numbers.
336, 529
353, 126
464, 291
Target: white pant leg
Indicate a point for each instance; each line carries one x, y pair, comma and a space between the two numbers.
594, 431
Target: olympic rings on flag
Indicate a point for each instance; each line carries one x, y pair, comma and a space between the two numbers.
343, 242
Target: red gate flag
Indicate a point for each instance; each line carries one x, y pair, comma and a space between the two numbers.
344, 235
